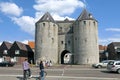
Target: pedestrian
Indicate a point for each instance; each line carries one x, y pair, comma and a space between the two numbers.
42, 72
50, 63
41, 66
26, 67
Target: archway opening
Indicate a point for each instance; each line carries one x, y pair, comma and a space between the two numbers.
62, 55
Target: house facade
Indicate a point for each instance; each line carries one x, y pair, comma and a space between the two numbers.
16, 52
5, 46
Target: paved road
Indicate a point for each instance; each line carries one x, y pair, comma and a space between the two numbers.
60, 73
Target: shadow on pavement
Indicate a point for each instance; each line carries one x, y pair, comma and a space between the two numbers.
34, 78
109, 72
20, 78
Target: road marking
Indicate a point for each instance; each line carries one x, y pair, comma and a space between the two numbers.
65, 77
91, 78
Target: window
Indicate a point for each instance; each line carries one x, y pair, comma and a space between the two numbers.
5, 52
43, 24
17, 52
52, 40
61, 42
84, 22
94, 23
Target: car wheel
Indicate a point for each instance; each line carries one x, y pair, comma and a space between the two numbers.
118, 71
99, 66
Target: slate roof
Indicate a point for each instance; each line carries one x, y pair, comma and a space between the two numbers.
46, 17
85, 15
5, 45
22, 46
116, 43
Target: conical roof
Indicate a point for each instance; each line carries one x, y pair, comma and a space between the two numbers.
85, 16
46, 17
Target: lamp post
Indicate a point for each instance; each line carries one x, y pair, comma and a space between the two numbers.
107, 55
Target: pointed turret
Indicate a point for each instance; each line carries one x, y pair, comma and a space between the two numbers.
85, 15
46, 39
46, 17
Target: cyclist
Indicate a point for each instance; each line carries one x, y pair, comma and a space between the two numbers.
26, 67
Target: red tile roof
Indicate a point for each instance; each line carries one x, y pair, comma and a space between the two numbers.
31, 44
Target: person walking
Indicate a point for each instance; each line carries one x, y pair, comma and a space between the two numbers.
42, 72
41, 66
26, 67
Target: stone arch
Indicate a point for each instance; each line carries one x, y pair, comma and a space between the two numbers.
62, 55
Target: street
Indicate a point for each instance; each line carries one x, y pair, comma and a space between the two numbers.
60, 73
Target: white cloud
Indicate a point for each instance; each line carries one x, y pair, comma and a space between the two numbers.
58, 7
113, 29
108, 40
24, 41
57, 17
1, 43
26, 23
10, 9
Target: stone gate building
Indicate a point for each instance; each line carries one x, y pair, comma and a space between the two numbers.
54, 39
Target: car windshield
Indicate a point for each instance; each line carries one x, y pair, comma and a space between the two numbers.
104, 61
111, 63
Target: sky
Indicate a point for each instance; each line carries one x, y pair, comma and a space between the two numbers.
18, 17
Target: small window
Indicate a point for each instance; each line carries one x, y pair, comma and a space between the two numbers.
17, 52
52, 40
94, 23
84, 22
5, 52
43, 24
61, 42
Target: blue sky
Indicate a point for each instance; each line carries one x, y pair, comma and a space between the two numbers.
17, 17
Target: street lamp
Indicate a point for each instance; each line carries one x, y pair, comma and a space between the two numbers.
107, 55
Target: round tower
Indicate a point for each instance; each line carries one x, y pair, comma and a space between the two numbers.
86, 39
46, 39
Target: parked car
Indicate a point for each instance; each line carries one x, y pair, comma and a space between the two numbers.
102, 64
7, 64
114, 66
